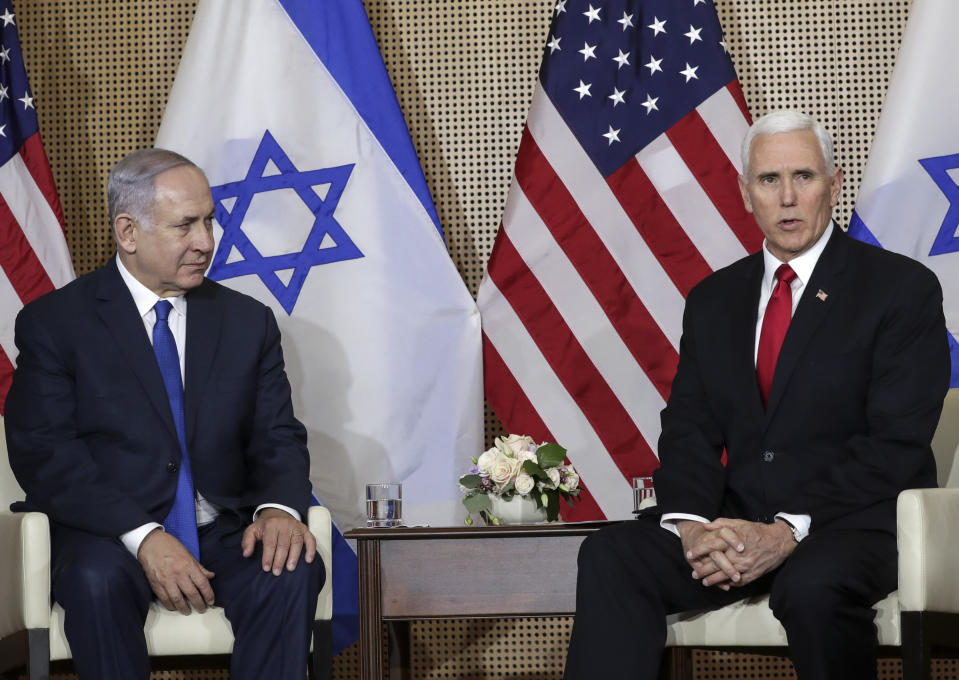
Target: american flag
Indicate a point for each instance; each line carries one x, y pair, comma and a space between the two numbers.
624, 197
33, 250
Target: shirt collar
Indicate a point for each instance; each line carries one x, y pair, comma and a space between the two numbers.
143, 297
803, 264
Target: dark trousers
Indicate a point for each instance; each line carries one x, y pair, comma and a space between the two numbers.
632, 575
105, 596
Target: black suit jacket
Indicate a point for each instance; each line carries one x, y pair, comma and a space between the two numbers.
88, 423
855, 399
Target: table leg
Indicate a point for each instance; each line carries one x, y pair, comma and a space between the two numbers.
677, 664
371, 611
399, 650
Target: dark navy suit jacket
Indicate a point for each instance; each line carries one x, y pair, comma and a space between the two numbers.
88, 424
855, 399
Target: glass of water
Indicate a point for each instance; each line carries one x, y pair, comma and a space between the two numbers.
384, 504
644, 495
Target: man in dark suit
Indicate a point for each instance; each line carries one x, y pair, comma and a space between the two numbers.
820, 435
150, 418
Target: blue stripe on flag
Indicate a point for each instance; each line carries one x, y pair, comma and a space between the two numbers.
346, 603
859, 230
954, 353
339, 33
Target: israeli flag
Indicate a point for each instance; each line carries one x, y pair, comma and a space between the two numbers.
909, 198
323, 213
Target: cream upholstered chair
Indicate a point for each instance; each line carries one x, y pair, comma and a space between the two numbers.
914, 620
31, 630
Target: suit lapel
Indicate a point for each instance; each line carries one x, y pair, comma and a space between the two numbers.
120, 316
203, 326
810, 313
743, 322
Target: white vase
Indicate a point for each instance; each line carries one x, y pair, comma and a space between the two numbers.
517, 510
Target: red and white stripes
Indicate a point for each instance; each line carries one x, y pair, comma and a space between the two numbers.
34, 258
583, 298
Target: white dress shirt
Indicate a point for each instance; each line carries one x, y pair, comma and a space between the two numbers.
803, 265
145, 300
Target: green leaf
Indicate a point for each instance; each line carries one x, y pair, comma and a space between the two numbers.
552, 507
477, 502
535, 471
537, 498
471, 481
550, 455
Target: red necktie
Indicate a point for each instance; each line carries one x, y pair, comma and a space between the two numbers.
775, 324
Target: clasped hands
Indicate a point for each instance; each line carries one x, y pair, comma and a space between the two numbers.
733, 552
179, 581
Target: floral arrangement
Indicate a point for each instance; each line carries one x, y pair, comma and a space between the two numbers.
517, 466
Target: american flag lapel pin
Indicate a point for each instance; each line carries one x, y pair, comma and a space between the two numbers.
822, 295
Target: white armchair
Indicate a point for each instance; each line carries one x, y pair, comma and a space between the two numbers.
919, 617
31, 630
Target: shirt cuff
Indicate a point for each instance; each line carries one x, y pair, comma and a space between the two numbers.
133, 538
264, 506
799, 523
668, 521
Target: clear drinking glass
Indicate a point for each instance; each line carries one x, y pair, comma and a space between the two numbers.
644, 494
384, 504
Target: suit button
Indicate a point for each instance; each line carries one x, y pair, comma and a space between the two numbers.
768, 456
171, 467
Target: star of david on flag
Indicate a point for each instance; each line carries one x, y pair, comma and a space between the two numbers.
323, 212
909, 198
327, 241
938, 169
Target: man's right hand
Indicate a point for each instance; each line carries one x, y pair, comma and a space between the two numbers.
177, 579
706, 551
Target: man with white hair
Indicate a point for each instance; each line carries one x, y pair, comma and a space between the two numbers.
819, 366
150, 418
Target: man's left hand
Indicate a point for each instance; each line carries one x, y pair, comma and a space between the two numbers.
284, 540
766, 547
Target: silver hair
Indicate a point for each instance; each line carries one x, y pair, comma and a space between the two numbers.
788, 121
130, 188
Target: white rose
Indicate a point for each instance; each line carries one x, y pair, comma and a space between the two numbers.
502, 469
485, 461
572, 480
524, 483
553, 475
517, 443
526, 455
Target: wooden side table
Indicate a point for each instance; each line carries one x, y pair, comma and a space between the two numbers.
459, 573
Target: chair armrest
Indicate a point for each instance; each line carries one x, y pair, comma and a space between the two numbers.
25, 566
926, 520
320, 525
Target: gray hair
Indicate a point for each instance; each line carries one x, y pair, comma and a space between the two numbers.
130, 188
788, 121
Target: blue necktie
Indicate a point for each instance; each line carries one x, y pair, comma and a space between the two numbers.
181, 522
